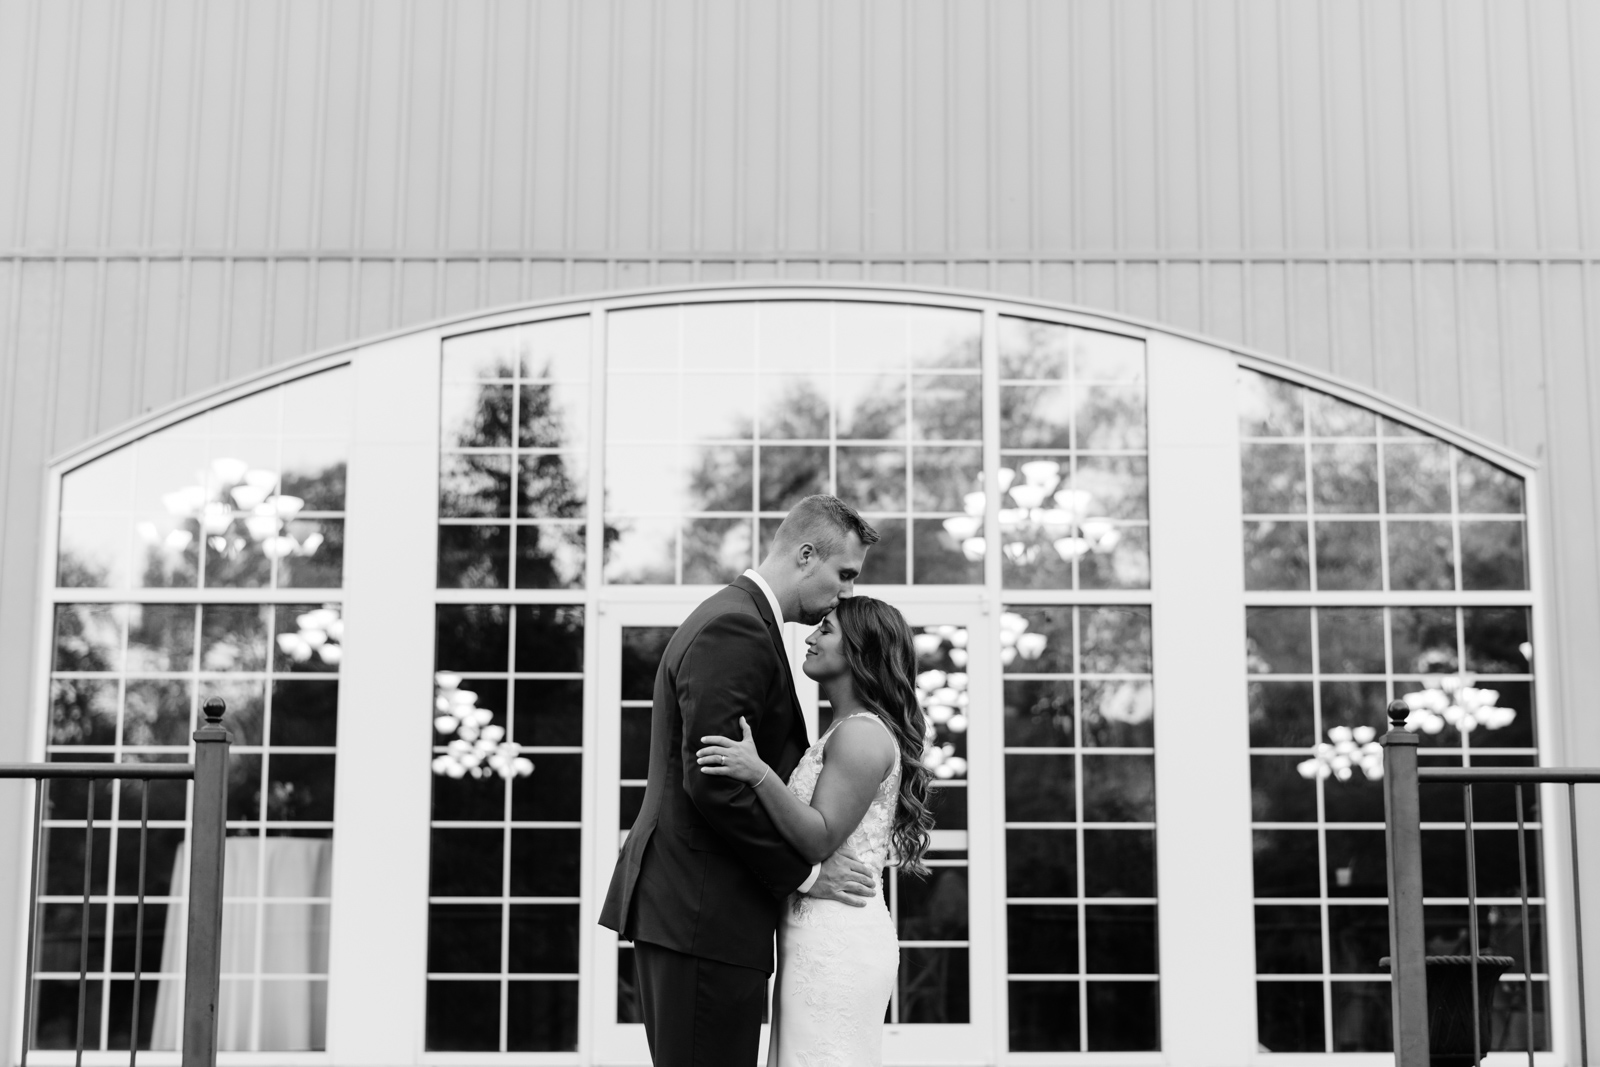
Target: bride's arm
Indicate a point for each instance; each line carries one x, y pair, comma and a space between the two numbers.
855, 760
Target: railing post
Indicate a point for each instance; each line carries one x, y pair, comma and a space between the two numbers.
1408, 969
207, 832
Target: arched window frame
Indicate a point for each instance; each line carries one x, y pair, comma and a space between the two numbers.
396, 424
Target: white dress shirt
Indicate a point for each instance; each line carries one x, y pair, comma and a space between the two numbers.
777, 616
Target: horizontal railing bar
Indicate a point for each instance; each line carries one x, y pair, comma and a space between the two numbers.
97, 770
1472, 775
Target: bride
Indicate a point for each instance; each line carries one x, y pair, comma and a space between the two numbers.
861, 788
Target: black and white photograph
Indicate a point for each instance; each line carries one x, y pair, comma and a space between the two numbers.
799, 533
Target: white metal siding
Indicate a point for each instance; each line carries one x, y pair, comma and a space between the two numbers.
1398, 192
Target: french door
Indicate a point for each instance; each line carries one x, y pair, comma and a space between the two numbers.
943, 1009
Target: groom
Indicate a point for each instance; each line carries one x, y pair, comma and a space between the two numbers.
704, 873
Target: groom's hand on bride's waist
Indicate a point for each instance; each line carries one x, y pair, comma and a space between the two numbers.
846, 879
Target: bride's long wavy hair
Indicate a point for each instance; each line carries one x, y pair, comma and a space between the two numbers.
883, 665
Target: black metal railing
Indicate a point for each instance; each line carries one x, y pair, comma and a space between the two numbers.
202, 968
1447, 1022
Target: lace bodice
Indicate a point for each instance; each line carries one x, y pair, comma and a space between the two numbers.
870, 839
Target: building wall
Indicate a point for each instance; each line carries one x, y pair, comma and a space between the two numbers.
1398, 193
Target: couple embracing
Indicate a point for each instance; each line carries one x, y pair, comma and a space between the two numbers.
748, 830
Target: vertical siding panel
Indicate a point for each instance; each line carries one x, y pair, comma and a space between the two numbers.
1347, 138
1177, 121
302, 102
377, 279
1305, 125
1225, 301
115, 388
1139, 157
676, 119
510, 143
716, 193
466, 111
17, 79
333, 281
343, 112
418, 291
634, 121
760, 128
800, 124
1013, 156
590, 167
1097, 285
928, 194
552, 129
888, 178
844, 131
383, 121
244, 343
50, 129
503, 284
1312, 318
460, 288
88, 157
1268, 300
201, 358
1481, 342
72, 339
1095, 147
214, 126
1219, 77
1439, 370
1183, 295
1263, 138
162, 339
177, 99
1551, 89
427, 133
1472, 161
1053, 131
1514, 121
1353, 326
1390, 139
1056, 282
289, 328
1432, 135
1396, 313
258, 151
1521, 358
125, 177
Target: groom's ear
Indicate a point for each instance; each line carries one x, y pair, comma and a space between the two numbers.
807, 554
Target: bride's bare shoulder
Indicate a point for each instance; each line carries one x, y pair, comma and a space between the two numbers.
864, 739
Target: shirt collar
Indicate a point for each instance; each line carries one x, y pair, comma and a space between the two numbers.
772, 598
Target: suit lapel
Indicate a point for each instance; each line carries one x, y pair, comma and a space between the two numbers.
775, 632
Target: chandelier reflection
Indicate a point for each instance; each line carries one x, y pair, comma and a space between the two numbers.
1345, 751
478, 747
318, 633
1042, 517
1455, 700
234, 491
942, 694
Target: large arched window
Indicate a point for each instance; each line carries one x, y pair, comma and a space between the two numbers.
449, 560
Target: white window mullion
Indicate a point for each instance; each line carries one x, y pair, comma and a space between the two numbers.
1202, 771
378, 938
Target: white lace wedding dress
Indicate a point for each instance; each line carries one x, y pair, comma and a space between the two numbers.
836, 963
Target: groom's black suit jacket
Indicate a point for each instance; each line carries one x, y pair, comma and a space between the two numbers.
704, 870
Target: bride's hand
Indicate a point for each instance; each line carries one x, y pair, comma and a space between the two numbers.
735, 759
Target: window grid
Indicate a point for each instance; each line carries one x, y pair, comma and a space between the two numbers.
507, 398
534, 1005
711, 532
1100, 503
1103, 1016
215, 634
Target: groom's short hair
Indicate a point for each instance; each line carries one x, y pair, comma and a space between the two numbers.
823, 522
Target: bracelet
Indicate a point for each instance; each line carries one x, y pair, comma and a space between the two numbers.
761, 779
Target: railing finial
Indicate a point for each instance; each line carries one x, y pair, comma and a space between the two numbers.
1399, 712
215, 709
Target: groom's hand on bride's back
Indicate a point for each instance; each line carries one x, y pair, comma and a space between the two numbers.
846, 879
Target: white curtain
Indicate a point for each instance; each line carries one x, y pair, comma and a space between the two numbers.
260, 936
